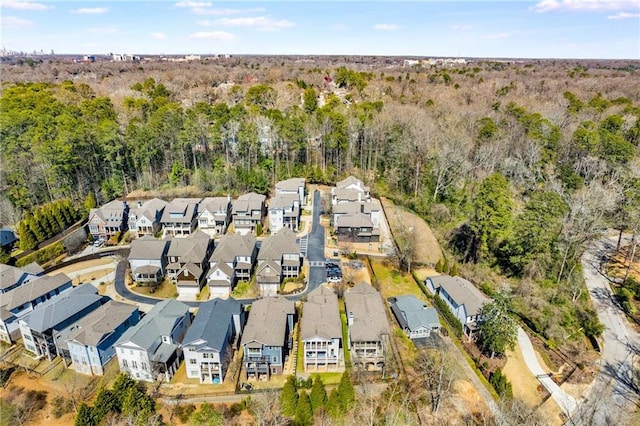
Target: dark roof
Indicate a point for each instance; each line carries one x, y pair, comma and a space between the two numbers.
148, 248
321, 315
413, 313
102, 322
267, 322
369, 317
274, 246
32, 290
463, 292
209, 327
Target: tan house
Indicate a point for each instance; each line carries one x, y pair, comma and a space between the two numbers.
321, 331
248, 211
278, 258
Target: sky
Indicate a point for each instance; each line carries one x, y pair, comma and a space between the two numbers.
598, 29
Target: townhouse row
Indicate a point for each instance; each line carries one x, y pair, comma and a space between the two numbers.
197, 260
212, 215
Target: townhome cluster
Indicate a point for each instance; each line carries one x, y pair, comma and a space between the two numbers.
356, 216
53, 319
186, 252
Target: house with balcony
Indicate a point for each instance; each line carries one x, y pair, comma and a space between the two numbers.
284, 212
367, 327
148, 259
248, 211
40, 325
356, 228
188, 262
232, 261
145, 216
462, 298
151, 349
267, 339
351, 190
179, 217
414, 316
24, 299
108, 220
12, 277
88, 343
279, 258
372, 209
321, 332
212, 339
293, 186
214, 215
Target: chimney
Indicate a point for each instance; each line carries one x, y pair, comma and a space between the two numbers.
350, 319
228, 198
359, 197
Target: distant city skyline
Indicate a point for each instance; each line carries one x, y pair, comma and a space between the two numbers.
589, 29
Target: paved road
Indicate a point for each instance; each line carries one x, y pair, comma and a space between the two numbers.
611, 398
566, 402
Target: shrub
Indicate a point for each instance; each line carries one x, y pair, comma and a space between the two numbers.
184, 412
501, 384
443, 309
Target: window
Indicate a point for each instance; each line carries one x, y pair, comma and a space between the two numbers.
192, 361
134, 364
125, 364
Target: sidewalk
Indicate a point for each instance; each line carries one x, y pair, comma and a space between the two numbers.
566, 402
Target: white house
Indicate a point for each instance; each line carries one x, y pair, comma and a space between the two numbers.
209, 343
415, 318
292, 186
179, 217
148, 259
461, 296
151, 349
350, 189
284, 212
144, 216
214, 215
321, 331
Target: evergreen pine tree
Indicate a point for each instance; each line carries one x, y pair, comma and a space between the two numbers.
346, 392
454, 270
84, 416
289, 397
318, 395
304, 413
445, 266
333, 405
439, 266
27, 238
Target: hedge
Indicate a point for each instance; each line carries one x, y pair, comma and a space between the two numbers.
44, 255
448, 315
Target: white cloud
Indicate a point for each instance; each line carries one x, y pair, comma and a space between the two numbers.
206, 8
260, 22
624, 15
462, 27
212, 35
158, 36
584, 5
90, 10
386, 27
24, 5
341, 27
192, 4
103, 30
14, 22
204, 23
495, 36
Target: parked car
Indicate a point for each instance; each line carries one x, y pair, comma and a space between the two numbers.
98, 243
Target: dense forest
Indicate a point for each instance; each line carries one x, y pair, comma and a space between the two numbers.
518, 166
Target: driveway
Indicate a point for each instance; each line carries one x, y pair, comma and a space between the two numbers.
611, 398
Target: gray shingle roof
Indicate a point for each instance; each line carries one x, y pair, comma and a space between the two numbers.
413, 313
351, 180
210, 325
284, 201
10, 275
347, 194
214, 205
248, 202
54, 311
159, 321
347, 208
191, 249
148, 248
354, 220
290, 184
463, 292
97, 325
321, 315
147, 208
32, 290
232, 245
267, 322
180, 210
111, 213
369, 317
274, 246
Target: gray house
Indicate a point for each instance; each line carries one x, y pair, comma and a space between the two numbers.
232, 261
356, 228
148, 259
24, 299
368, 329
462, 297
292, 186
188, 262
211, 340
109, 219
214, 215
179, 217
144, 216
278, 258
88, 343
321, 331
414, 316
248, 211
268, 337
284, 212
12, 277
151, 349
39, 326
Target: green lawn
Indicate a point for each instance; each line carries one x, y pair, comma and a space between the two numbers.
345, 340
394, 283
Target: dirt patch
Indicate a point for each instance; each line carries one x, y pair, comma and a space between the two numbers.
619, 262
423, 273
84, 265
428, 249
525, 386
